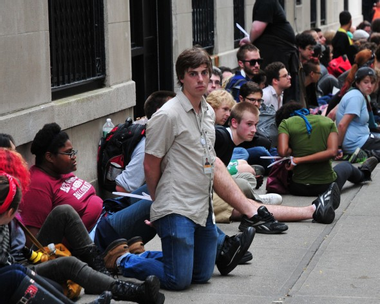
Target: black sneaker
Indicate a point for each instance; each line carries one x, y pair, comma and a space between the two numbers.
246, 258
326, 204
263, 222
368, 166
233, 249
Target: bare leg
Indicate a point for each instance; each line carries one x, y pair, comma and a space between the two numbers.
227, 189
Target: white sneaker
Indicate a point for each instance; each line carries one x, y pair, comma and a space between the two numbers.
271, 199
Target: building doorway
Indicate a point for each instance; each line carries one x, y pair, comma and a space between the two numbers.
151, 48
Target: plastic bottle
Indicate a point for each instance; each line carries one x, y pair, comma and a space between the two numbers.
51, 247
107, 127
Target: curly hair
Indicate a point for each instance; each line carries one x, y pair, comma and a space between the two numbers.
14, 164
285, 111
49, 139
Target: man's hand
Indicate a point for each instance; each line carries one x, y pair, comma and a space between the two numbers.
244, 41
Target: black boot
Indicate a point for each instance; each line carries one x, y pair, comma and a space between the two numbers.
104, 298
94, 259
145, 293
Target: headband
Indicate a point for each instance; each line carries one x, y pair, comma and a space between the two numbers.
13, 184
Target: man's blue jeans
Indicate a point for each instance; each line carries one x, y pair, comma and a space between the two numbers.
188, 254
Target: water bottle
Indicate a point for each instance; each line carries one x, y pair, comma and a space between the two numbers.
107, 127
51, 247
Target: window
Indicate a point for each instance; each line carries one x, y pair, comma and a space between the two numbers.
76, 46
299, 2
203, 24
313, 13
238, 18
346, 5
323, 12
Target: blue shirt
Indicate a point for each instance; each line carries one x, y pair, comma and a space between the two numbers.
353, 102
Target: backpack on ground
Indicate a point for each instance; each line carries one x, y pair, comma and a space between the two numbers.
115, 151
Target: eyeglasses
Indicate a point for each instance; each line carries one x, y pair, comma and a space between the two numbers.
71, 154
284, 76
253, 62
315, 72
259, 100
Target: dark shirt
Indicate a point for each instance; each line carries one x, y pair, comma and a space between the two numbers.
224, 146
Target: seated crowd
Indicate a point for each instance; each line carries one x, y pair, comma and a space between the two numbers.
242, 124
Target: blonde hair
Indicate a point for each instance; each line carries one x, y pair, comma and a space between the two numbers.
217, 97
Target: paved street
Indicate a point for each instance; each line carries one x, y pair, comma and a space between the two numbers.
311, 263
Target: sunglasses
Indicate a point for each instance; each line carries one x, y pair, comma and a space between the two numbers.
253, 62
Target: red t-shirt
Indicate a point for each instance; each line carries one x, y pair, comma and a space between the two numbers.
46, 192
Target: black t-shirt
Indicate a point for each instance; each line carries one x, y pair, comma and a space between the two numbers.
271, 12
224, 146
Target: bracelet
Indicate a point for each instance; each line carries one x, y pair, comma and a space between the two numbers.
292, 162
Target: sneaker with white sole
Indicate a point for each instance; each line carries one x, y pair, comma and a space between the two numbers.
271, 199
264, 222
326, 204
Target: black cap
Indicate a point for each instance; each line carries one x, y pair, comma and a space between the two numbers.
363, 72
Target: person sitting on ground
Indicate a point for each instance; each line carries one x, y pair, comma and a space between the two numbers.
249, 61
261, 145
133, 177
216, 79
62, 222
311, 141
363, 58
54, 184
17, 280
312, 70
240, 130
353, 115
222, 102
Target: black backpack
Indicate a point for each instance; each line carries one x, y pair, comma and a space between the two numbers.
115, 150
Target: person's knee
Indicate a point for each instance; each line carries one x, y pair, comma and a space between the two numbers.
179, 283
62, 210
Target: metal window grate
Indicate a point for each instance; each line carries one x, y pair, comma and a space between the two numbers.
238, 18
203, 24
76, 42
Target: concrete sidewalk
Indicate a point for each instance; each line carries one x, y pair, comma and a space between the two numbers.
311, 263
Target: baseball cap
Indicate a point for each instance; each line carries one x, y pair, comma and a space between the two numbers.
359, 35
363, 72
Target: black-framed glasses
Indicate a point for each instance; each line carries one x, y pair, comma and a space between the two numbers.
284, 76
71, 154
259, 100
316, 72
253, 62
